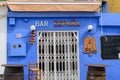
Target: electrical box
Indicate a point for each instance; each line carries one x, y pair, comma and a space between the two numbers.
17, 49
110, 47
12, 21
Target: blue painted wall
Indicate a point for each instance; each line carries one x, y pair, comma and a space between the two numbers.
22, 22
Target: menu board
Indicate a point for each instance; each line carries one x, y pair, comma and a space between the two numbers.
110, 47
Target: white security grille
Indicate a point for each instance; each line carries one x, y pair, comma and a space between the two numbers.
58, 55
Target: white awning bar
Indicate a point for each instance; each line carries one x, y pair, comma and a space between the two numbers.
87, 3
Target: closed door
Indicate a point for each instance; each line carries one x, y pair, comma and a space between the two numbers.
58, 55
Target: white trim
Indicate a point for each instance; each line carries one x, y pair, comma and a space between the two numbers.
87, 3
3, 35
37, 48
57, 31
54, 56
78, 53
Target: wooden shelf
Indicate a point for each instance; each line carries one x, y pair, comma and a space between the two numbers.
97, 65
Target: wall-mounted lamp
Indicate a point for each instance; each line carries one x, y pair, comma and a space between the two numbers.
90, 28
32, 28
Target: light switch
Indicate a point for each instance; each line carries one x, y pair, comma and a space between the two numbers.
18, 35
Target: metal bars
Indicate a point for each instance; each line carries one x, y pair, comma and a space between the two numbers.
58, 55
